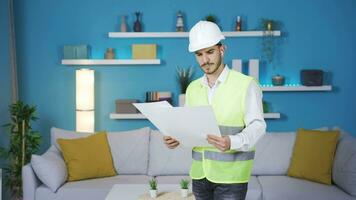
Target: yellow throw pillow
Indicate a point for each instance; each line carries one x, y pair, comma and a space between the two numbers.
313, 155
88, 157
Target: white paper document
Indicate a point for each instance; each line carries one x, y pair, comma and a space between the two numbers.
189, 125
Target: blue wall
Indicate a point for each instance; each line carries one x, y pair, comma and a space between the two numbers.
317, 34
5, 92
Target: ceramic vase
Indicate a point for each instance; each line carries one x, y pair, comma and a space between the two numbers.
137, 24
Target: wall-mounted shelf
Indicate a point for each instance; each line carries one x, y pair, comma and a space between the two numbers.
141, 116
186, 34
296, 88
111, 62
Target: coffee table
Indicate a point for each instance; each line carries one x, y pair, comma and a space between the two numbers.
134, 191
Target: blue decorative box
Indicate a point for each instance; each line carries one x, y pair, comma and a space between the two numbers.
76, 52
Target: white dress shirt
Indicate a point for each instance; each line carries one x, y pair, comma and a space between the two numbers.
254, 120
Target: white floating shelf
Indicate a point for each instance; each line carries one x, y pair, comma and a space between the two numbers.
296, 88
272, 115
126, 116
186, 34
141, 116
111, 62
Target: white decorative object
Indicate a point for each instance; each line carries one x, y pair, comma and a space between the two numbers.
237, 65
253, 68
184, 192
181, 100
85, 100
153, 193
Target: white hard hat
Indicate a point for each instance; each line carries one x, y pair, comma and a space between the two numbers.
204, 34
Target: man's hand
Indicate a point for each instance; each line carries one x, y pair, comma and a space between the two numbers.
170, 142
222, 143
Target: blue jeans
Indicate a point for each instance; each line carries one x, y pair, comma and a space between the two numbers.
204, 189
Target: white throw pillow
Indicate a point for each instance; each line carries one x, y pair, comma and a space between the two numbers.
129, 150
57, 133
50, 168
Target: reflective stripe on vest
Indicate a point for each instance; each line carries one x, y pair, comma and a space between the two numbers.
228, 104
226, 157
230, 130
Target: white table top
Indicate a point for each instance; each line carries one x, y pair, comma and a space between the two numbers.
133, 191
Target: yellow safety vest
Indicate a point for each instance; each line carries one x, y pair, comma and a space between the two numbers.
228, 104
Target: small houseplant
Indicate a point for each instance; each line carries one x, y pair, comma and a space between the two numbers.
23, 143
184, 184
269, 45
153, 187
211, 18
184, 77
268, 42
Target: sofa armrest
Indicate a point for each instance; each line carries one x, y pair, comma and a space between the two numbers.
29, 182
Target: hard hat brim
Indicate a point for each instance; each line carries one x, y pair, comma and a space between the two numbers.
193, 48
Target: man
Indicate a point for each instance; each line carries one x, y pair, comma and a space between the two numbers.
222, 171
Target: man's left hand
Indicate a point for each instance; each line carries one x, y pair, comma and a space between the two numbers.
222, 143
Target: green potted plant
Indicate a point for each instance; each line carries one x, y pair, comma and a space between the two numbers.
23, 143
268, 41
269, 45
211, 18
184, 77
153, 187
184, 184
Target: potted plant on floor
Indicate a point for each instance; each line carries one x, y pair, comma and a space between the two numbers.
153, 188
184, 77
23, 143
184, 184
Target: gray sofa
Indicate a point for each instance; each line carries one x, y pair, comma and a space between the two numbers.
140, 154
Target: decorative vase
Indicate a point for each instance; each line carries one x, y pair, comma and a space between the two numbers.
184, 193
278, 80
180, 23
153, 193
109, 54
137, 24
123, 25
181, 100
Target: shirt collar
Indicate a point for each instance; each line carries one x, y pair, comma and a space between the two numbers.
221, 79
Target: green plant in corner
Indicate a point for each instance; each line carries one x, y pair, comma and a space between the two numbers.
23, 143
153, 184
184, 183
184, 77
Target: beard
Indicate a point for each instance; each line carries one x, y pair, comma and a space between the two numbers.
211, 68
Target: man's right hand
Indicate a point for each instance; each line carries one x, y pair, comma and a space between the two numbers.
170, 142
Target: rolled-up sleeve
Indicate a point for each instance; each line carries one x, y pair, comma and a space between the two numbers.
254, 120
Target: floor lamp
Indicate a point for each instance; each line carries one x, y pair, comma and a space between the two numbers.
85, 100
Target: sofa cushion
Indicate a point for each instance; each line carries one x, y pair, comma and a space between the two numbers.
57, 133
165, 161
50, 168
284, 187
93, 189
344, 169
129, 150
88, 157
313, 155
273, 153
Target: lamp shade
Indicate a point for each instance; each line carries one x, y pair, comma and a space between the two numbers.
85, 89
85, 121
85, 117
